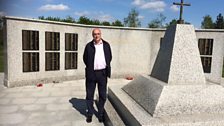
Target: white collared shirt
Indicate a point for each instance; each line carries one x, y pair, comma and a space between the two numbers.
99, 61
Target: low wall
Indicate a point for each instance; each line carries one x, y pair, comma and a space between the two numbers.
134, 50
131, 50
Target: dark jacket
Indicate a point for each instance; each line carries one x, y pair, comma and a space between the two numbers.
88, 58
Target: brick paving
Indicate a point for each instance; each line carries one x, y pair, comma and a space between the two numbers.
59, 104
53, 104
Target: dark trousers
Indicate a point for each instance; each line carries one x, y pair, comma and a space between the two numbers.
101, 79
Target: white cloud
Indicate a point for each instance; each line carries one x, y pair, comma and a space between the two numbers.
155, 5
83, 13
137, 2
105, 17
141, 17
174, 8
52, 7
99, 15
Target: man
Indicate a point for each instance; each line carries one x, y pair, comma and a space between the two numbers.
97, 57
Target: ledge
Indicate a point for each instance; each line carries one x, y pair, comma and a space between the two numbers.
79, 25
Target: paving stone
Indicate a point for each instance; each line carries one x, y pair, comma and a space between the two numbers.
74, 89
14, 118
83, 123
8, 109
61, 93
2, 94
33, 89
79, 96
28, 87
51, 89
15, 95
58, 107
64, 99
23, 101
40, 94
4, 101
28, 124
43, 117
46, 100
63, 123
70, 115
11, 90
33, 107
44, 106
77, 93
59, 123
60, 85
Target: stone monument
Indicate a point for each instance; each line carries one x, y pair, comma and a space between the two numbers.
177, 84
176, 92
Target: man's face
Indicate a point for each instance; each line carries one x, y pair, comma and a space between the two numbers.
96, 35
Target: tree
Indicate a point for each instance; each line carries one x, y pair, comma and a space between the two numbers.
158, 22
187, 22
117, 23
84, 20
1, 23
132, 19
173, 22
95, 22
106, 23
219, 24
53, 18
69, 19
207, 22
1, 38
41, 18
154, 24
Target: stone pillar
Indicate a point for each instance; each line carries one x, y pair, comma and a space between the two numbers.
178, 61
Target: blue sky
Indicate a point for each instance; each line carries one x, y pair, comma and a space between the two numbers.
110, 10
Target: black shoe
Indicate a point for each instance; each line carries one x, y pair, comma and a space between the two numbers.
89, 119
101, 119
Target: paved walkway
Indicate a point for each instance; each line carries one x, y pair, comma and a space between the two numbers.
53, 104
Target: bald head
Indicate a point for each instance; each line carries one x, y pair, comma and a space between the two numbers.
96, 33
96, 30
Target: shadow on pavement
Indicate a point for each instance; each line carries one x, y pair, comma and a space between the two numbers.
80, 105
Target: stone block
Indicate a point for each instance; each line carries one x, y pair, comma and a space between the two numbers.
133, 114
146, 91
160, 99
178, 57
